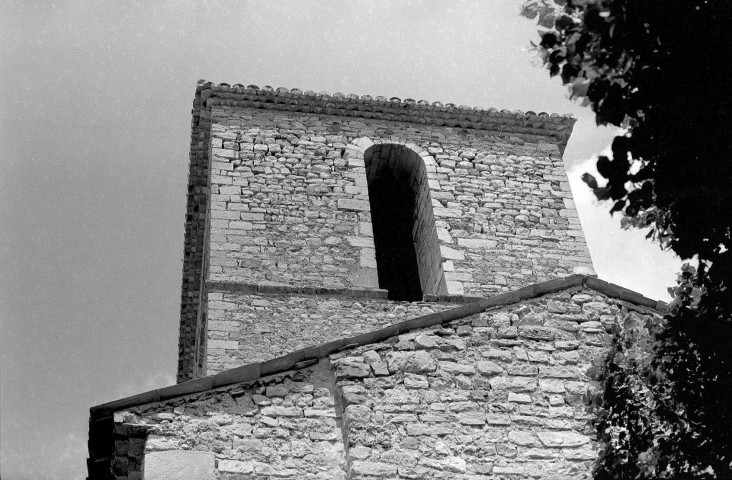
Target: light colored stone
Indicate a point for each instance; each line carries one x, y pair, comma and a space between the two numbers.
365, 277
562, 439
353, 205
451, 253
180, 465
518, 437
411, 362
454, 368
488, 368
235, 466
223, 344
415, 381
367, 242
476, 243
519, 397
471, 418
425, 342
375, 469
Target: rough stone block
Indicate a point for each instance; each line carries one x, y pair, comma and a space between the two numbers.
411, 362
477, 243
519, 397
454, 368
448, 253
523, 438
235, 466
562, 439
375, 469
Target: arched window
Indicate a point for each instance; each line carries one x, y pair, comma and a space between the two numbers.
407, 250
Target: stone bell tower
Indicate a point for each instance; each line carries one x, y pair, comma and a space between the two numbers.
313, 216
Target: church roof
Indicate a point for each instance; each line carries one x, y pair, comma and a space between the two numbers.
390, 109
307, 356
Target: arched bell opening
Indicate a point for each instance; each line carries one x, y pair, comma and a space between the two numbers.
407, 251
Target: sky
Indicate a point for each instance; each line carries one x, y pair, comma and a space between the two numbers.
95, 126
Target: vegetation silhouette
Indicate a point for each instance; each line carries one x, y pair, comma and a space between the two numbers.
658, 70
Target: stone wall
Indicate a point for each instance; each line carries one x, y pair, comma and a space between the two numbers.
278, 195
285, 426
246, 328
289, 202
289, 205
285, 207
500, 394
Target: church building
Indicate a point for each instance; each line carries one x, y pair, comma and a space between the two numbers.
374, 288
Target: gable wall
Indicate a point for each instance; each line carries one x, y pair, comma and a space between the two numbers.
496, 395
501, 393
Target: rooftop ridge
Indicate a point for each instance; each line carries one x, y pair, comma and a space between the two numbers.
379, 107
306, 356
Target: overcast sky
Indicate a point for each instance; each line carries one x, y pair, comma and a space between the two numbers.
95, 125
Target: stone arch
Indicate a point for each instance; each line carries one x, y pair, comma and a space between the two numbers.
405, 238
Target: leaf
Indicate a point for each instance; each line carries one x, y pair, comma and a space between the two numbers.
602, 193
557, 56
604, 166
548, 40
546, 19
579, 87
618, 207
564, 22
530, 10
572, 43
589, 180
569, 72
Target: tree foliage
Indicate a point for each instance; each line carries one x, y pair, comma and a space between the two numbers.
657, 68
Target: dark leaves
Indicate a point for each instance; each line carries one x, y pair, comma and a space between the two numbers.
569, 72
658, 68
548, 40
563, 22
589, 180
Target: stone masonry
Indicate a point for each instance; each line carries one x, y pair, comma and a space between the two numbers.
495, 395
281, 191
247, 328
374, 289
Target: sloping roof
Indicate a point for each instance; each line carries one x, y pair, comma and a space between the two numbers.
391, 109
296, 359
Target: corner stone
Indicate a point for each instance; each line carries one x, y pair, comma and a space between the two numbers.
365, 277
180, 465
